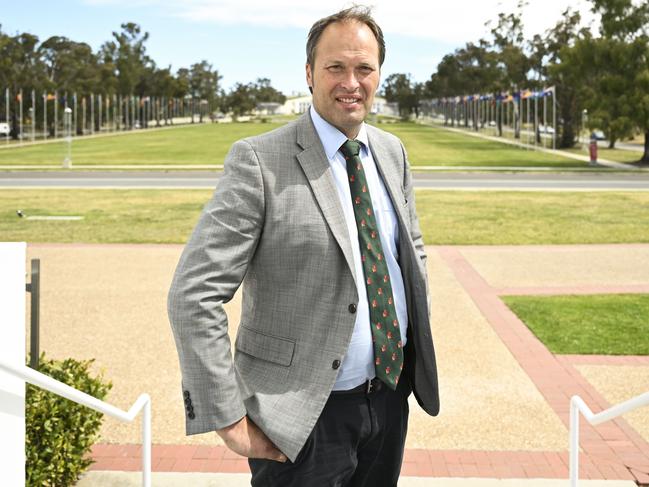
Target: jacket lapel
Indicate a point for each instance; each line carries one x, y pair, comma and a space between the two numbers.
316, 167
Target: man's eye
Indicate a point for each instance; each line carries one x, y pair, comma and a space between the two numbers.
335, 68
366, 69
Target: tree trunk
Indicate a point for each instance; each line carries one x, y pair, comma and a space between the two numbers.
567, 135
645, 156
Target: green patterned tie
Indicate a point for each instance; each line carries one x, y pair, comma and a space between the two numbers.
388, 354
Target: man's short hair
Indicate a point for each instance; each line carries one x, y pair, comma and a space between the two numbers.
356, 13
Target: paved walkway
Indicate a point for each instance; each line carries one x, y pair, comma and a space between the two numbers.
505, 397
171, 479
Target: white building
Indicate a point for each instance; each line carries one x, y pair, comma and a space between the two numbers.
296, 105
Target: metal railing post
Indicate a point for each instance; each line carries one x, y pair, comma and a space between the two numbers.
34, 288
574, 443
146, 443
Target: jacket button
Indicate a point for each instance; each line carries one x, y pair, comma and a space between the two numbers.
186, 394
336, 364
190, 409
352, 308
191, 415
188, 401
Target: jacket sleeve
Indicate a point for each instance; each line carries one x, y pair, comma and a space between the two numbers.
409, 192
211, 269
415, 230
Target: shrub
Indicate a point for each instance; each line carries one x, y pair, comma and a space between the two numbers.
61, 432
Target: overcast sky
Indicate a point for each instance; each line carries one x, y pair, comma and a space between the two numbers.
247, 39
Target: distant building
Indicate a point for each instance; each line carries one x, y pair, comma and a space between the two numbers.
296, 105
382, 107
269, 108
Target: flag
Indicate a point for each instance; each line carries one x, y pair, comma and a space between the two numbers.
51, 97
19, 97
548, 91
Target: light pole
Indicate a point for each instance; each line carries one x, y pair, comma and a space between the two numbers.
67, 128
584, 122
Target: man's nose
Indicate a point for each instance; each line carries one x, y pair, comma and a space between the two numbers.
350, 81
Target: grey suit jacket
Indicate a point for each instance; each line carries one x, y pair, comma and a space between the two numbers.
275, 224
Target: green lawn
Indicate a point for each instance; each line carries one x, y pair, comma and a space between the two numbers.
524, 218
600, 324
200, 144
447, 217
427, 145
209, 143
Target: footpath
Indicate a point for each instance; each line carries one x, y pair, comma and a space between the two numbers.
505, 398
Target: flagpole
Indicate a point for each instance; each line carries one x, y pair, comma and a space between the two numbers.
7, 113
536, 118
33, 115
20, 120
75, 121
545, 115
554, 117
56, 113
44, 115
528, 124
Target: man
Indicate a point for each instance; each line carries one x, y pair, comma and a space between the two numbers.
317, 219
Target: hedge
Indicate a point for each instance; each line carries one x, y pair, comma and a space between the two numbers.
60, 432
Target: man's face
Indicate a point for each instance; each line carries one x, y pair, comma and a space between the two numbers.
345, 75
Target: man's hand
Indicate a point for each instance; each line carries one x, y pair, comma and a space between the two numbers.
245, 438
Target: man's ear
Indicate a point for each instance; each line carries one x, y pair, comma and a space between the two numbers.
309, 77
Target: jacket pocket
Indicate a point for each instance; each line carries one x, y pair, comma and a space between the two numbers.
265, 347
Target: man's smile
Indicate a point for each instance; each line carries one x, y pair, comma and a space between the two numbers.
349, 99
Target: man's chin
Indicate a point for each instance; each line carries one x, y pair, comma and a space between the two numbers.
353, 120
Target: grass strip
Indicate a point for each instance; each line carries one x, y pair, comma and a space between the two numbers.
446, 217
612, 324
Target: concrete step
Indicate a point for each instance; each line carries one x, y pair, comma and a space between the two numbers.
175, 479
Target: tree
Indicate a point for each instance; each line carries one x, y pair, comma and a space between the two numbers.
623, 60
240, 100
400, 88
204, 84
265, 93
21, 67
127, 53
508, 44
243, 98
641, 102
561, 58
70, 66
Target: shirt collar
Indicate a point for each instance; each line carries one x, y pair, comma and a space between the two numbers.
332, 138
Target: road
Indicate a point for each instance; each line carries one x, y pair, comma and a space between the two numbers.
584, 181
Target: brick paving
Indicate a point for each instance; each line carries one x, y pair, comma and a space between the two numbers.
611, 451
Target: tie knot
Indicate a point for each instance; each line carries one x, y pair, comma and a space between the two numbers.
350, 148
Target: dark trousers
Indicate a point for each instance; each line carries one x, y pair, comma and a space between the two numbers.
357, 441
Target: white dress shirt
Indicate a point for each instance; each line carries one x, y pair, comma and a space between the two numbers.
358, 365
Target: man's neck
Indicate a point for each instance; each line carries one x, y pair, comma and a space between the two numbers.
351, 134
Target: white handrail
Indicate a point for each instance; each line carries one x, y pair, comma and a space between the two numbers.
143, 402
577, 405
